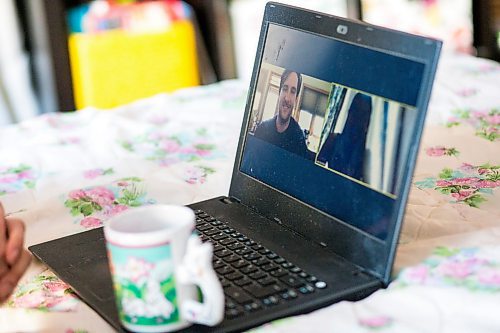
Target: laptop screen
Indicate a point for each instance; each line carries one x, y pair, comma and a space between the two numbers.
331, 125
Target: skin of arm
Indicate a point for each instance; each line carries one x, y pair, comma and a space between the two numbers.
14, 259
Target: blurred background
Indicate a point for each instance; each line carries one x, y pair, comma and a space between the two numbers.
63, 55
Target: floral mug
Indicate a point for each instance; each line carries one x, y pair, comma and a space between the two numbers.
158, 267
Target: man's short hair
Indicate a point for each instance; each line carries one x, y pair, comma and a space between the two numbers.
286, 74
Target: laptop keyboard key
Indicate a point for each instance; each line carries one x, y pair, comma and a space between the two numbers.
257, 275
223, 253
269, 267
252, 256
260, 292
243, 281
252, 306
261, 261
279, 272
227, 241
271, 300
238, 295
231, 258
312, 279
292, 281
212, 232
239, 264
307, 289
267, 281
220, 237
289, 294
249, 269
243, 251
233, 313
224, 270
218, 263
279, 260
235, 246
234, 276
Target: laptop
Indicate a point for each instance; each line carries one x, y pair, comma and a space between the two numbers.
328, 144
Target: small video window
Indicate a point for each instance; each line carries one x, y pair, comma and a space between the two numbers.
364, 138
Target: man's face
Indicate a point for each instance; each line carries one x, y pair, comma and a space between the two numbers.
287, 97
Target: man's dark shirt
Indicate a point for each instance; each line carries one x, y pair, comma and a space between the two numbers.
292, 139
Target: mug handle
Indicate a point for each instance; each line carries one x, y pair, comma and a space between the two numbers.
196, 268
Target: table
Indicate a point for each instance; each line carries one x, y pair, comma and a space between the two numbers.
179, 148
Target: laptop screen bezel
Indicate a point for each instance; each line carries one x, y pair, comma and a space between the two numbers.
374, 255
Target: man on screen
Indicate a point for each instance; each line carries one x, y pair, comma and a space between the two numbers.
282, 130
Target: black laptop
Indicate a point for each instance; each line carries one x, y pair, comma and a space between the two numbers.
332, 125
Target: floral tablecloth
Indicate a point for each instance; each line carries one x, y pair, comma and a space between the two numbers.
66, 173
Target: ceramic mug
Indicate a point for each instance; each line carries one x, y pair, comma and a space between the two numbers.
159, 266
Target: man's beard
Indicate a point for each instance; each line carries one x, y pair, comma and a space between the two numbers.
289, 113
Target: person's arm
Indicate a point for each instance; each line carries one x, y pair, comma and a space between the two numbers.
14, 259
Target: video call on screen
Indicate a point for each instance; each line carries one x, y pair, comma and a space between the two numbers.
331, 125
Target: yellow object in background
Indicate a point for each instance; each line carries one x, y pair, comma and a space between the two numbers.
116, 67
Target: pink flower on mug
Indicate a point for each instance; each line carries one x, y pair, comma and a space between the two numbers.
138, 269
90, 222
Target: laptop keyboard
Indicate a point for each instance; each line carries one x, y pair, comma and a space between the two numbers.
253, 277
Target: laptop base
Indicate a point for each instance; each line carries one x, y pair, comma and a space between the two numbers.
85, 267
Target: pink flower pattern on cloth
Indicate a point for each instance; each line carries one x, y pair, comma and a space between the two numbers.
467, 268
94, 173
45, 292
441, 151
486, 122
468, 184
197, 174
376, 323
94, 205
17, 178
168, 149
